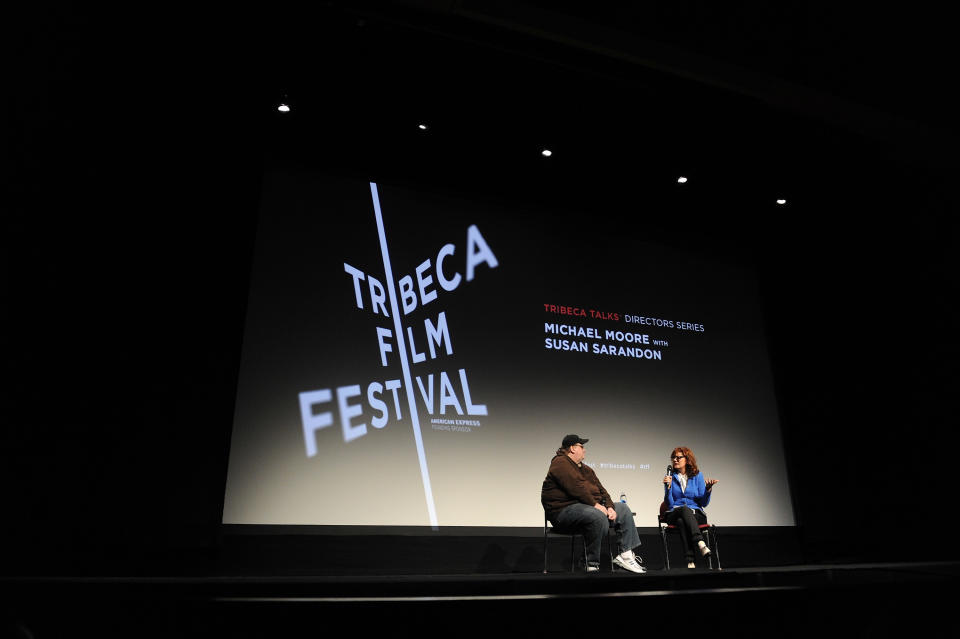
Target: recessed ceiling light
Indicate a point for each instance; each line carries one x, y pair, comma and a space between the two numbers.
546, 153
681, 180
422, 127
283, 107
781, 202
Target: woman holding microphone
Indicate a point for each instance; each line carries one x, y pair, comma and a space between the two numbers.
686, 493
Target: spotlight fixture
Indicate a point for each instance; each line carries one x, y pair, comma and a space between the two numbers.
546, 153
422, 127
781, 202
681, 180
283, 107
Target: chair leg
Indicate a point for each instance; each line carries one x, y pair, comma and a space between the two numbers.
613, 566
544, 548
666, 551
573, 550
716, 545
710, 544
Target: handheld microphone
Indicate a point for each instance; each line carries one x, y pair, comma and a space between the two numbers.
669, 469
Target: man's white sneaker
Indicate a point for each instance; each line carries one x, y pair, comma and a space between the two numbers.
593, 568
703, 549
629, 564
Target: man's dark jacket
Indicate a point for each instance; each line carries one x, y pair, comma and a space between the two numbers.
567, 483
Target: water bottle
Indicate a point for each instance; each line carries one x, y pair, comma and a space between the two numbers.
623, 498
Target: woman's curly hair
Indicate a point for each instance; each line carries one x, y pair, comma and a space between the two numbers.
692, 470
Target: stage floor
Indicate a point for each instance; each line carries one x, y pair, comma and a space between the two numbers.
882, 598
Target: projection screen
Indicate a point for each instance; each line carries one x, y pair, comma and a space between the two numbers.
414, 359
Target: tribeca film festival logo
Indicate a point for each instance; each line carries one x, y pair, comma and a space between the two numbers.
437, 393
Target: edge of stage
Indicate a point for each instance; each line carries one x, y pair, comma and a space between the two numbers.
877, 597
296, 584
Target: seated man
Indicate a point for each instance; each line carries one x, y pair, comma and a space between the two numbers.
576, 502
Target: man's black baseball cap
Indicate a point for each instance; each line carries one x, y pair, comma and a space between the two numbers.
570, 440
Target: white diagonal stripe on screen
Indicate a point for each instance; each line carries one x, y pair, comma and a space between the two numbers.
401, 346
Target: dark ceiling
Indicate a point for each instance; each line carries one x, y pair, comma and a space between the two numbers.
791, 96
881, 75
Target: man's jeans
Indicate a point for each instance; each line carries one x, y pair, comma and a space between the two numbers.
593, 525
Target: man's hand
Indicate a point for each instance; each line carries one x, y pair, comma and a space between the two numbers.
611, 514
710, 483
601, 508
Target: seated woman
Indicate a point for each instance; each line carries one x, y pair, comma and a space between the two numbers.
686, 493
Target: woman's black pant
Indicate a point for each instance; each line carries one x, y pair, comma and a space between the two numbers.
688, 522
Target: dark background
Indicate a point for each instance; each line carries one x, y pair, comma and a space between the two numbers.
134, 145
